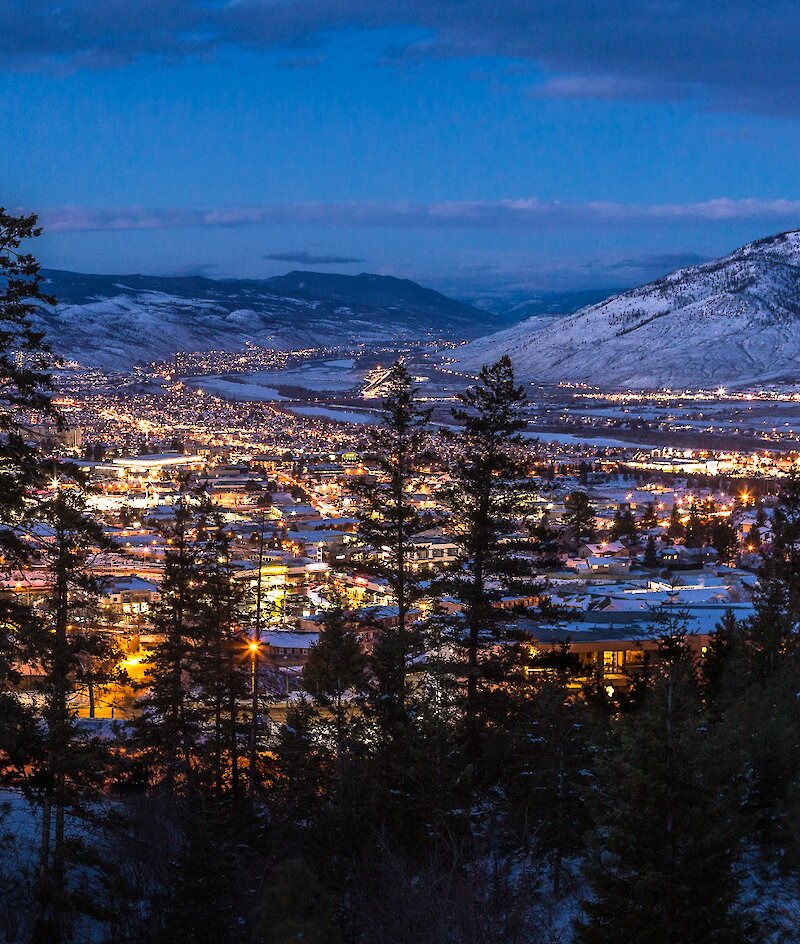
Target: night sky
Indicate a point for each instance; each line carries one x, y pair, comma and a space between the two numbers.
484, 147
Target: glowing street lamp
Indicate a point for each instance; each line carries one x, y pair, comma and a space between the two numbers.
253, 647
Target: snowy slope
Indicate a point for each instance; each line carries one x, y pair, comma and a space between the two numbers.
735, 320
115, 321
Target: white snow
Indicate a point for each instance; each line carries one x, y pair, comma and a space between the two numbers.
732, 321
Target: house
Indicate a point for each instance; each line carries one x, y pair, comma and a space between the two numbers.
130, 595
603, 549
613, 652
282, 648
432, 549
318, 545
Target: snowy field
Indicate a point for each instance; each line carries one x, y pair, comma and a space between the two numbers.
335, 413
233, 387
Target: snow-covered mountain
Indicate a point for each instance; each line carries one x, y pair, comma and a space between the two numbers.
115, 321
735, 320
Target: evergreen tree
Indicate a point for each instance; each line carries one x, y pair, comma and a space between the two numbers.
547, 759
649, 519
650, 555
662, 865
783, 564
759, 695
25, 390
723, 647
336, 665
544, 544
675, 528
623, 527
220, 676
771, 633
96, 663
695, 531
302, 769
579, 518
167, 730
483, 496
724, 539
71, 765
387, 523
25, 381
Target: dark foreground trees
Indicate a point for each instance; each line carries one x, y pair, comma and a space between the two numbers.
662, 865
457, 786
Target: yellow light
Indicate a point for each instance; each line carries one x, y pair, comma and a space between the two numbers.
253, 646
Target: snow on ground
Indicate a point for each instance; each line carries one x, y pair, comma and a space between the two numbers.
336, 413
733, 321
230, 387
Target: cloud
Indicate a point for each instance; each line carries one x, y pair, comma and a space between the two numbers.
734, 54
602, 88
501, 214
304, 257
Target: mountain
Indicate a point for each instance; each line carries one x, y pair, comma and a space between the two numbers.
113, 321
550, 304
380, 293
732, 321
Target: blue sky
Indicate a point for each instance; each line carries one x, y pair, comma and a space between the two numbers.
485, 147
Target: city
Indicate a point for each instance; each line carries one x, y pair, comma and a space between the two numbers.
399, 472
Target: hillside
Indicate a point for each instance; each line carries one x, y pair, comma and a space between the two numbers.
114, 321
732, 321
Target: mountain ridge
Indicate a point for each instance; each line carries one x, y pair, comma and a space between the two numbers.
114, 321
730, 321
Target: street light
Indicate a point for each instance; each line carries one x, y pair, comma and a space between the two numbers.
253, 645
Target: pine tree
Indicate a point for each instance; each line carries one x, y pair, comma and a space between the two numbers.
220, 672
96, 663
724, 539
771, 633
482, 497
783, 564
723, 647
649, 519
544, 545
25, 381
650, 555
675, 528
662, 864
545, 772
336, 665
71, 764
387, 523
302, 770
623, 527
167, 729
579, 518
25, 389
695, 530
760, 691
